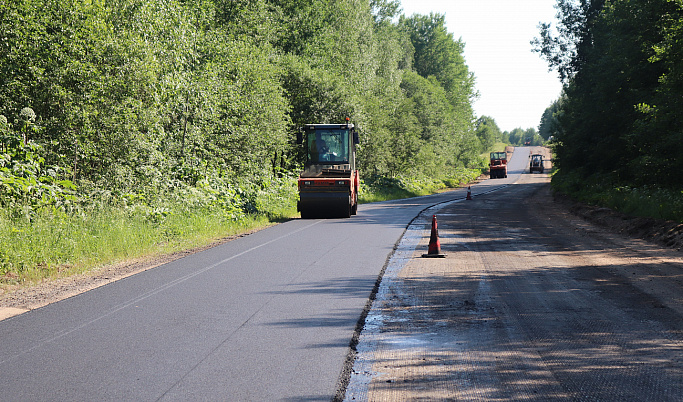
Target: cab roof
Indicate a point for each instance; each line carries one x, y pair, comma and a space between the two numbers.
311, 127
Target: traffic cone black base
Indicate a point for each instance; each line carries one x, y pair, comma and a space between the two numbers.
434, 250
434, 255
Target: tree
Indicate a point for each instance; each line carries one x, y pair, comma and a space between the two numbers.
549, 125
568, 51
145, 96
613, 79
487, 132
438, 54
658, 128
516, 136
532, 137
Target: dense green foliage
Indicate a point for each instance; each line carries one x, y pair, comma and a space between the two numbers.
488, 134
520, 137
619, 123
382, 188
153, 109
144, 96
550, 124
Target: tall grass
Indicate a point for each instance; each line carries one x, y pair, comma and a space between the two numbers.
47, 245
53, 243
374, 189
644, 201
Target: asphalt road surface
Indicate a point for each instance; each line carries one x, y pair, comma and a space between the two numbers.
269, 316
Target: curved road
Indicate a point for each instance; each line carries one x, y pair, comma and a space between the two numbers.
264, 317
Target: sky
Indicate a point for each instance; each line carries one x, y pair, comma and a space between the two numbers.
514, 83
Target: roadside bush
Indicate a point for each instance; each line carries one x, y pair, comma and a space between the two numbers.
112, 226
27, 185
381, 188
644, 201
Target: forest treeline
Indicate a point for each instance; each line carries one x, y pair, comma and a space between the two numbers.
488, 130
139, 98
618, 126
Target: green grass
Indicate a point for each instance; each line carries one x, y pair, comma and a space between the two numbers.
51, 244
374, 189
497, 147
384, 194
643, 201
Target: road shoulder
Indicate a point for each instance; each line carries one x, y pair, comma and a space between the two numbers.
433, 321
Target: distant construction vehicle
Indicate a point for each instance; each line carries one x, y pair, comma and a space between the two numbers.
536, 163
498, 165
328, 186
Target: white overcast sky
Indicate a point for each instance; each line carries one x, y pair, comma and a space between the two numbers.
514, 83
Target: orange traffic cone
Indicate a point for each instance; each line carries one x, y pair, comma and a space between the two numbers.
469, 193
434, 250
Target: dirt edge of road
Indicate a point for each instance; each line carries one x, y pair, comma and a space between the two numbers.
664, 233
19, 299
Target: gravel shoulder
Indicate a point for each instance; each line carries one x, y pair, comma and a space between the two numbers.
538, 298
18, 299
